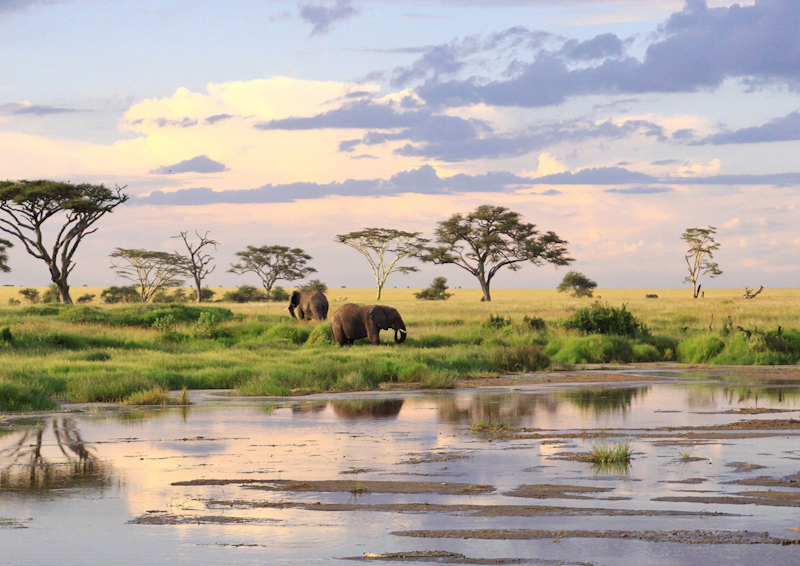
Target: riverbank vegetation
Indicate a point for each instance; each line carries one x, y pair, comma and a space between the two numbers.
116, 353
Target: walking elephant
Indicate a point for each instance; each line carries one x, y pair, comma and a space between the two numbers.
352, 322
309, 305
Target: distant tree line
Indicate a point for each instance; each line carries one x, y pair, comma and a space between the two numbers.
482, 242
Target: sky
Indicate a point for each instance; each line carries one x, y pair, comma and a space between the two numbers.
615, 124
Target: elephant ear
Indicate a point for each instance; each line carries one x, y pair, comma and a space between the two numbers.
295, 299
378, 317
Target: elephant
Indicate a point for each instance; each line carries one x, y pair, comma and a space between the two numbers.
310, 305
352, 322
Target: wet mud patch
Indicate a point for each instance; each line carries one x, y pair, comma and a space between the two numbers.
444, 557
465, 510
769, 497
682, 537
744, 466
350, 486
169, 519
6, 523
766, 481
434, 458
551, 491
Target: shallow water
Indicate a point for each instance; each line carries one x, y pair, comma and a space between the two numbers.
75, 481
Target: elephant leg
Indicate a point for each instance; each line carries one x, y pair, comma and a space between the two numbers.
374, 336
338, 335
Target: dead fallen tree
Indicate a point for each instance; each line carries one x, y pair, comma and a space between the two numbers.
750, 294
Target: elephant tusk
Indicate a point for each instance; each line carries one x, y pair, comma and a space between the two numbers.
403, 331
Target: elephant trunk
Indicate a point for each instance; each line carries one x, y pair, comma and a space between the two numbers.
402, 337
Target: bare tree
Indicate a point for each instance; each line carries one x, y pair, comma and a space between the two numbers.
699, 255
384, 248
28, 205
148, 270
196, 264
490, 238
272, 263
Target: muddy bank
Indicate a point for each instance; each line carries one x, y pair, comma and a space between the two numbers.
465, 510
683, 537
345, 486
770, 498
548, 491
444, 557
168, 519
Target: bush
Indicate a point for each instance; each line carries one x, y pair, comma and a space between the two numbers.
6, 336
30, 294
497, 321
577, 284
437, 291
278, 294
205, 325
163, 296
518, 358
700, 349
646, 353
87, 298
13, 302
245, 294
206, 293
314, 285
604, 319
535, 323
165, 324
114, 295
51, 295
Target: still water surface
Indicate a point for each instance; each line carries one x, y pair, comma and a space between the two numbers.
75, 481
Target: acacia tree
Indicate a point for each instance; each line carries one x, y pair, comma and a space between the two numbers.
272, 263
490, 238
375, 243
29, 205
578, 284
196, 264
149, 271
702, 246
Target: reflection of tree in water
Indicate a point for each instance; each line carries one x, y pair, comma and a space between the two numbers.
604, 401
746, 396
31, 462
371, 409
508, 409
305, 408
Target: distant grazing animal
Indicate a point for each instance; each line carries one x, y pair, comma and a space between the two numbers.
651, 296
309, 305
352, 322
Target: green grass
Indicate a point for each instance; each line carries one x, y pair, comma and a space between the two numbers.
112, 353
605, 453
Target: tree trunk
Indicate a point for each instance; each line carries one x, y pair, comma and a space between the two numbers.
199, 284
380, 288
487, 295
63, 290
60, 279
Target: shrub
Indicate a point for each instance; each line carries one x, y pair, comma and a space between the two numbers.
577, 284
205, 325
13, 302
497, 321
245, 294
87, 298
314, 285
165, 324
114, 295
164, 296
279, 294
437, 291
700, 349
51, 295
646, 353
6, 336
30, 294
206, 293
535, 323
605, 319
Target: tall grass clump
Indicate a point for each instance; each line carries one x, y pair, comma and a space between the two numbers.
605, 453
593, 349
700, 349
23, 397
599, 318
